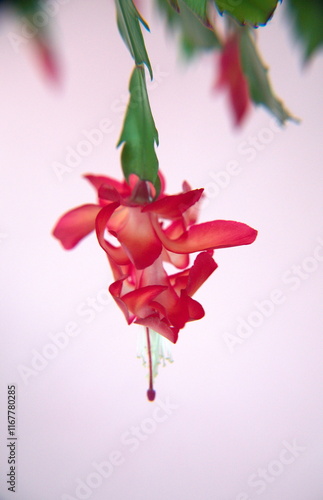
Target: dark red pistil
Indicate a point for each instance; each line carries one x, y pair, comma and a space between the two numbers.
151, 393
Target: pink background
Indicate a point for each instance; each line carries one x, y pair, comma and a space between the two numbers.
233, 408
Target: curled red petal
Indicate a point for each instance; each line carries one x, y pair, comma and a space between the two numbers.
209, 235
138, 301
116, 289
139, 239
158, 308
175, 229
108, 193
120, 271
162, 183
175, 205
195, 310
179, 281
179, 260
100, 180
75, 225
160, 326
202, 268
116, 253
186, 309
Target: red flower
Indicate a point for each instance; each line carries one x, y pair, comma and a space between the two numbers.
233, 79
143, 290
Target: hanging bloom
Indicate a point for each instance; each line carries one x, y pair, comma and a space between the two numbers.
232, 78
143, 242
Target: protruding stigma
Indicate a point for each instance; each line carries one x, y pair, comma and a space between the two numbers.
151, 393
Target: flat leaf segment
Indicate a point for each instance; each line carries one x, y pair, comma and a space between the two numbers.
139, 133
258, 81
128, 20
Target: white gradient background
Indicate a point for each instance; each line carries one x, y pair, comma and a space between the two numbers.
234, 410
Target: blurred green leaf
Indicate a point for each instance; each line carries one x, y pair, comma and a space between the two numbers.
27, 6
139, 133
129, 19
258, 81
307, 19
170, 11
174, 4
194, 36
251, 12
200, 8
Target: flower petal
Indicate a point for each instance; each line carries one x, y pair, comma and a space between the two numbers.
75, 225
108, 193
116, 253
139, 239
179, 260
120, 271
173, 206
116, 289
99, 180
202, 268
191, 215
179, 281
175, 229
186, 309
156, 275
162, 183
159, 326
209, 235
138, 301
